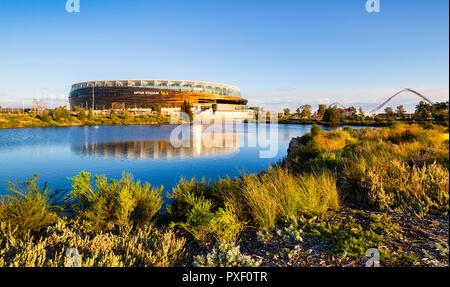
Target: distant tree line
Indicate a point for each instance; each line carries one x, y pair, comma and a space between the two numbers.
335, 115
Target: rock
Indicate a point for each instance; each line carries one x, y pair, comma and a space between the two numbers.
292, 152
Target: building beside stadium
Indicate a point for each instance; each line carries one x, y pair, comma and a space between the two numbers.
147, 94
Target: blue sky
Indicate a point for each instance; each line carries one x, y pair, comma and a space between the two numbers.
280, 53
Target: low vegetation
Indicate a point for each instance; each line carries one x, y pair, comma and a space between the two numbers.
107, 205
145, 246
62, 117
403, 168
337, 195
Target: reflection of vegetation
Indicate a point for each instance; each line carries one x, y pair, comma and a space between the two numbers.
396, 171
62, 117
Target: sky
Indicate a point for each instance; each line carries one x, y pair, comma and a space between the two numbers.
280, 53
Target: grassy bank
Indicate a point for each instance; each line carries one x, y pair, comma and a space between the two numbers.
60, 117
338, 194
360, 122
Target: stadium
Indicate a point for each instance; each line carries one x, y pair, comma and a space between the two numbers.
147, 94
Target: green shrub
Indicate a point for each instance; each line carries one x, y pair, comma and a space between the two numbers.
315, 129
226, 225
348, 129
198, 216
183, 195
45, 117
117, 203
60, 114
30, 207
229, 191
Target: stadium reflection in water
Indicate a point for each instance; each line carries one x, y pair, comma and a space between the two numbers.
204, 146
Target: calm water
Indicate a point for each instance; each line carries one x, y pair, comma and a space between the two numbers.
59, 153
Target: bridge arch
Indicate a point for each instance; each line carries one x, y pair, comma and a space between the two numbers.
338, 104
384, 104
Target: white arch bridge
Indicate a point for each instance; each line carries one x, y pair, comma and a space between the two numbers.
385, 103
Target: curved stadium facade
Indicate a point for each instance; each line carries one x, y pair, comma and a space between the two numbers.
146, 94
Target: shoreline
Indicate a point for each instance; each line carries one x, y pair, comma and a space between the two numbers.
293, 122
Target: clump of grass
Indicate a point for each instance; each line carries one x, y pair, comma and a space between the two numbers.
279, 195
263, 207
105, 205
29, 207
317, 194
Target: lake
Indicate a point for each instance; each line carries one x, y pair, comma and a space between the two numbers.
56, 154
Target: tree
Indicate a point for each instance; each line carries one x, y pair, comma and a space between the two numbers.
45, 117
440, 111
401, 112
81, 113
306, 111
287, 112
390, 114
332, 116
423, 110
361, 111
321, 110
60, 113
